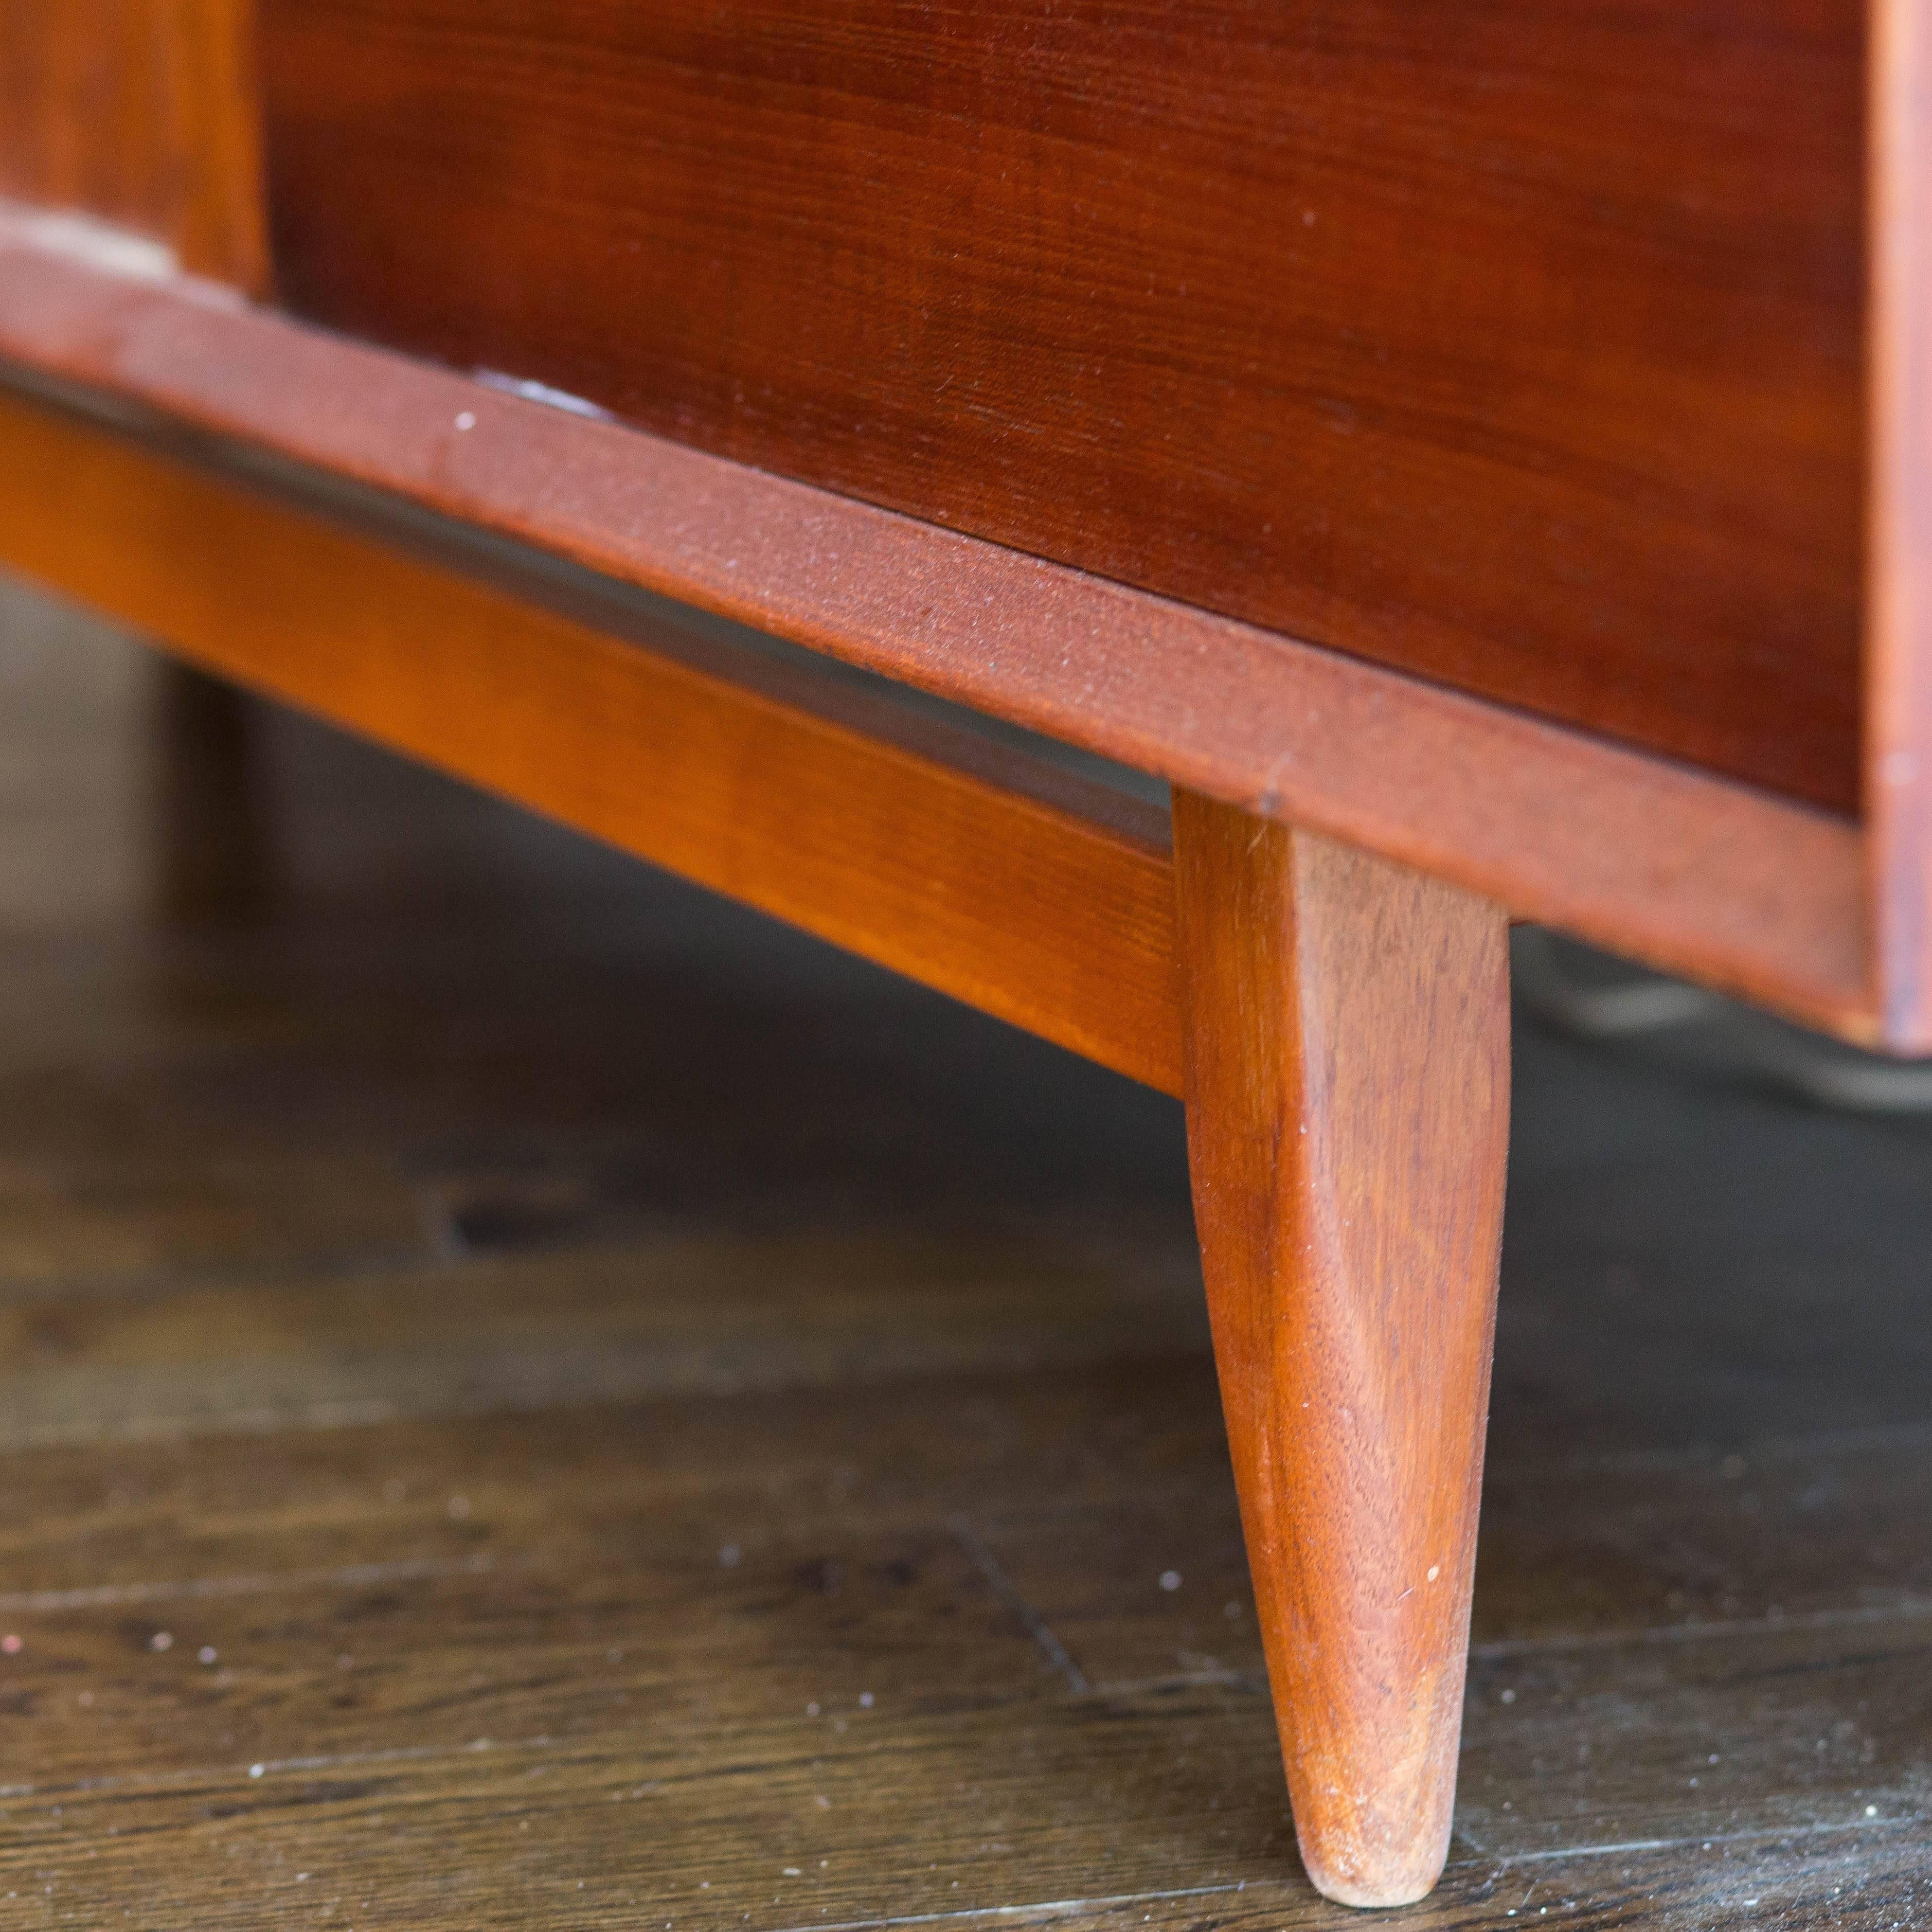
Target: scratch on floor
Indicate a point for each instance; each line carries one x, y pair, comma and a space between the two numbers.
1035, 1625
347, 1576
176, 1776
1767, 1835
88, 1433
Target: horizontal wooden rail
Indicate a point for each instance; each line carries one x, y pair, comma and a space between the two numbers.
1038, 897
1684, 870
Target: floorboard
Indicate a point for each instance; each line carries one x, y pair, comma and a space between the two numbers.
530, 1398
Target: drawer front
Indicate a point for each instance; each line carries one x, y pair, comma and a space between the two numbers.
1516, 342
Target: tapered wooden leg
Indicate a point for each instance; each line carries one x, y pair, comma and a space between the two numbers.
210, 839
1348, 1108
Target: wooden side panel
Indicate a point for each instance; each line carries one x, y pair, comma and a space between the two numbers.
1348, 1056
1059, 921
143, 113
85, 120
1517, 343
1693, 873
1900, 743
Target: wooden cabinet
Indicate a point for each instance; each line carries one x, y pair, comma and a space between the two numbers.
1480, 456
1516, 343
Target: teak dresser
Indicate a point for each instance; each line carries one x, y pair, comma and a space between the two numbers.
1478, 452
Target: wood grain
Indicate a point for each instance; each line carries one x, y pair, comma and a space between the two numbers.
1517, 345
1685, 870
1348, 1108
88, 123
1032, 895
221, 228
143, 113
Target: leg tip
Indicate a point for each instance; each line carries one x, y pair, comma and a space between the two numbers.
1372, 1898
1374, 1879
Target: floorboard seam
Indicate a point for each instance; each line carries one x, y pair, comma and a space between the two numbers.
1908, 1609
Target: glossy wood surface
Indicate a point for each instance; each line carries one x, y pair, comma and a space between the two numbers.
1038, 896
1899, 672
1518, 345
1348, 1126
144, 113
1699, 876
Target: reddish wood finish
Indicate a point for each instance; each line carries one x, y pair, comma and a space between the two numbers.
1034, 895
221, 230
1899, 723
1681, 869
1517, 343
144, 113
1554, 392
85, 118
1347, 1031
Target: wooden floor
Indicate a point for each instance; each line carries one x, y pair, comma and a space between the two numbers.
532, 1399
